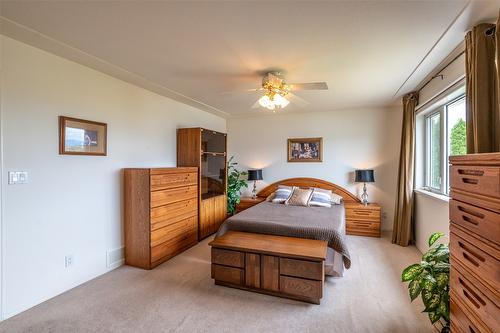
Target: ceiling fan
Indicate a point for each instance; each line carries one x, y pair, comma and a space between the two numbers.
278, 94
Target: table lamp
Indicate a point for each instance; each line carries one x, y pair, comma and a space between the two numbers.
254, 175
364, 176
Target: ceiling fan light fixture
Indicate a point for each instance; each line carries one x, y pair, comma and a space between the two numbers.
280, 101
265, 101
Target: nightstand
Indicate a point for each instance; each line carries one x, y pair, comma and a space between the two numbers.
247, 202
362, 220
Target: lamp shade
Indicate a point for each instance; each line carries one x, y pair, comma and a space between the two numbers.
364, 176
255, 174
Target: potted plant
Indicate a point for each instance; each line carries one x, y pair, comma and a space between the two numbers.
430, 279
234, 185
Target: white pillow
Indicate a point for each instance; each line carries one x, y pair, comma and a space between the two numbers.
321, 198
282, 193
324, 198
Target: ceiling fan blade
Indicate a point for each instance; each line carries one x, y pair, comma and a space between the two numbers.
241, 91
300, 102
256, 105
309, 86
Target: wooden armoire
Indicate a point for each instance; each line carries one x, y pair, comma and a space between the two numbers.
207, 150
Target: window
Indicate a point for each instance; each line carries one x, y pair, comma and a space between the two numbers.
445, 136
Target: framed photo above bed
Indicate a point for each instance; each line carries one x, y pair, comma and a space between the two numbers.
305, 150
82, 137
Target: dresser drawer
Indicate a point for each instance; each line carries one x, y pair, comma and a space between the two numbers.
171, 180
479, 300
476, 179
228, 274
476, 256
169, 214
462, 320
483, 222
228, 257
365, 214
363, 228
301, 268
164, 234
164, 197
173, 246
301, 287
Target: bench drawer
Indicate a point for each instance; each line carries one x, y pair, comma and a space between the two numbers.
482, 180
301, 287
480, 221
300, 268
228, 274
228, 258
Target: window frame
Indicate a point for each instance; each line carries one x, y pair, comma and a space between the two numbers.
442, 110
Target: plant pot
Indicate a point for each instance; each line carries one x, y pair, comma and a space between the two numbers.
446, 329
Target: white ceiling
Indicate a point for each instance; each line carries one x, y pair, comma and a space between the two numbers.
197, 51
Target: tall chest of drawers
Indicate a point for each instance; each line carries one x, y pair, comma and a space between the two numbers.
160, 214
475, 243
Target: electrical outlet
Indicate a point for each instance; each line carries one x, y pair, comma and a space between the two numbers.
68, 260
384, 216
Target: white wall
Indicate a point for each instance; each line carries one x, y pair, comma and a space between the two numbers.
72, 204
360, 138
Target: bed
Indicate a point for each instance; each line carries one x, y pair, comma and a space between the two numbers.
302, 222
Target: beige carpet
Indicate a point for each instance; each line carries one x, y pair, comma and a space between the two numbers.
179, 296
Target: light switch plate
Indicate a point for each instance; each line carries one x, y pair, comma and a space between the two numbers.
18, 177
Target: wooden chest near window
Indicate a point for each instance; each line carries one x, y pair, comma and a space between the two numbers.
475, 243
160, 214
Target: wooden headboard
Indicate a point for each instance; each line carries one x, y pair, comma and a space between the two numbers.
309, 182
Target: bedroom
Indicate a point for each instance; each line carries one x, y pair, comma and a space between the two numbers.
102, 110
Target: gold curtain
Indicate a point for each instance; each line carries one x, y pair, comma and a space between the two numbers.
483, 110
402, 232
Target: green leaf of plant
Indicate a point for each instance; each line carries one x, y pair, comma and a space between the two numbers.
431, 300
414, 289
442, 280
428, 282
444, 306
434, 237
434, 316
441, 267
411, 272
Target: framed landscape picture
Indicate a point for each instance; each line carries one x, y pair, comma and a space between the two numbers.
305, 150
82, 137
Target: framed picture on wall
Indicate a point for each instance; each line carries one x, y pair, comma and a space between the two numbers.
305, 150
82, 137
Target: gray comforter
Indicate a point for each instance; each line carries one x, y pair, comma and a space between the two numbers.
293, 221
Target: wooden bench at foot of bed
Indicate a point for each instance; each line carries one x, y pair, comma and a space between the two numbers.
275, 265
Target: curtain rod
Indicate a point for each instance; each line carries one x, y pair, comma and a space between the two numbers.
441, 70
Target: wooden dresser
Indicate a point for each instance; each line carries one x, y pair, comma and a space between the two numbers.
160, 214
475, 243
362, 220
